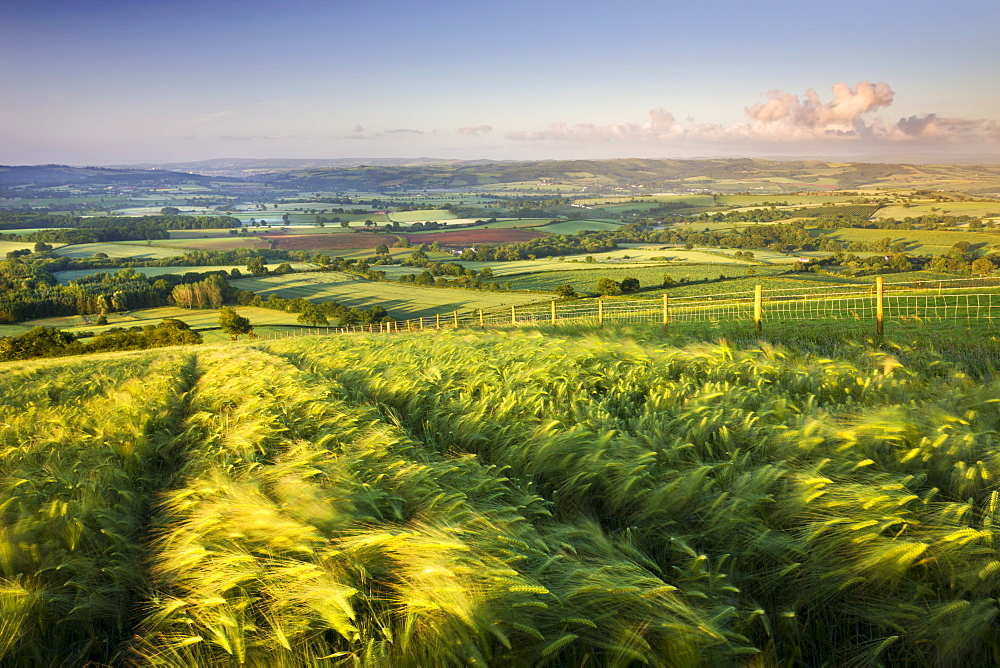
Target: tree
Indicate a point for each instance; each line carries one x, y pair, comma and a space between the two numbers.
170, 211
233, 324
982, 266
345, 223
41, 247
629, 285
312, 316
607, 287
256, 267
565, 291
381, 249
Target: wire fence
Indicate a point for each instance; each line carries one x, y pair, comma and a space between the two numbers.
948, 300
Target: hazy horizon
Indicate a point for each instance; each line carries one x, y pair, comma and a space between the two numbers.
112, 82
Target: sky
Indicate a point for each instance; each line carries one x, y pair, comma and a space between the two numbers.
138, 81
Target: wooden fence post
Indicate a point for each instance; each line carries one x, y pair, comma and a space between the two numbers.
482, 320
553, 311
879, 306
438, 316
758, 310
456, 319
513, 314
666, 310
600, 311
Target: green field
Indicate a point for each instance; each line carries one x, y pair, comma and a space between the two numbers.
400, 300
153, 251
922, 242
514, 498
584, 280
421, 215
576, 226
975, 209
10, 246
68, 275
196, 318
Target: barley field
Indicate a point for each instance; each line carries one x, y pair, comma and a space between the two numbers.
512, 498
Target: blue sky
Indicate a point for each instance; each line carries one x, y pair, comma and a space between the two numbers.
141, 81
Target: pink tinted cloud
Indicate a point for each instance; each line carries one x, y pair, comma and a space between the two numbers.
474, 130
661, 126
852, 113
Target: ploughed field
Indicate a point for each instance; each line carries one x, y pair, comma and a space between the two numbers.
443, 499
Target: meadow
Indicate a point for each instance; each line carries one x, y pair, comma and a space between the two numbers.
402, 301
68, 275
584, 279
530, 497
925, 242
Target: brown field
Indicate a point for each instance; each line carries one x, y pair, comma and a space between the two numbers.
329, 241
464, 238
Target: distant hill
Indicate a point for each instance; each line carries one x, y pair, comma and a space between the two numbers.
709, 174
253, 167
646, 175
59, 175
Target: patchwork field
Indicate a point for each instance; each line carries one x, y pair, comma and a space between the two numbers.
923, 242
975, 209
65, 277
576, 226
421, 215
196, 318
10, 246
333, 241
400, 300
584, 280
478, 235
153, 251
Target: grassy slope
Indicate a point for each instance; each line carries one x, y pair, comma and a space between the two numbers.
400, 300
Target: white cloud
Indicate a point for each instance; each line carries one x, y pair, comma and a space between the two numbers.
851, 114
474, 130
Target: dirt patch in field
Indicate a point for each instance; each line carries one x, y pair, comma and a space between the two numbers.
466, 238
329, 241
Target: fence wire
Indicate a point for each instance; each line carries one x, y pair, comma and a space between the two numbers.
951, 300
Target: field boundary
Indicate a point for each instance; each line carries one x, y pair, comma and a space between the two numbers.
952, 300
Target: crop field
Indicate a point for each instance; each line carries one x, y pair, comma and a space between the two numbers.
757, 201
421, 215
498, 268
10, 246
68, 275
196, 318
28, 230
198, 234
402, 301
584, 280
931, 242
690, 201
153, 251
511, 223
332, 241
228, 242
471, 236
576, 226
667, 253
513, 498
975, 209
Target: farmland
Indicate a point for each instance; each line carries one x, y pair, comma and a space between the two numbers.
520, 498
565, 495
402, 301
